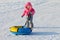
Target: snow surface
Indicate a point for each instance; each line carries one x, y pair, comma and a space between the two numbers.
46, 19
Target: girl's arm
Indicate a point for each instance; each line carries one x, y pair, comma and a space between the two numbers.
33, 12
23, 13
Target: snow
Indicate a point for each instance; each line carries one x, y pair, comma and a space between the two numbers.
46, 19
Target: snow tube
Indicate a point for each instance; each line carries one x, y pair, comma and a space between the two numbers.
20, 30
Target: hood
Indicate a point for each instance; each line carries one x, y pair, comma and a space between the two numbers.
28, 4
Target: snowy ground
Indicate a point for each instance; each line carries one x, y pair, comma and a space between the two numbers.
46, 19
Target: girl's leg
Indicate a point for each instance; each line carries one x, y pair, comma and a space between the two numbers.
27, 22
31, 21
31, 24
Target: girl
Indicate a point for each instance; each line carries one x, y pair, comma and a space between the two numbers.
29, 12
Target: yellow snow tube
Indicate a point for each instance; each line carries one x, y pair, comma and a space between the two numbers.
14, 28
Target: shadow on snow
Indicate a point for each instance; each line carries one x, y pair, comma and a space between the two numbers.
44, 33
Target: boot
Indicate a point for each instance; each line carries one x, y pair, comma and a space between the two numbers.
31, 26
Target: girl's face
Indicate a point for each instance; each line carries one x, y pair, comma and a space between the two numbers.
28, 7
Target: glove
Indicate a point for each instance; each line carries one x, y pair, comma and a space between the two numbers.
22, 16
30, 12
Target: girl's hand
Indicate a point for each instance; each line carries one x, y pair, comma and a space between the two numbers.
30, 12
22, 16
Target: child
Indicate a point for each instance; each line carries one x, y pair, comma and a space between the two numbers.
29, 12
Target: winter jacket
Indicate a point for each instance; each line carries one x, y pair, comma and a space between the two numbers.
26, 11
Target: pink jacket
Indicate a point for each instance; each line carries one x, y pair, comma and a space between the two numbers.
26, 11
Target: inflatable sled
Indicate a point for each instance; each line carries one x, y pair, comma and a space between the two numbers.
17, 30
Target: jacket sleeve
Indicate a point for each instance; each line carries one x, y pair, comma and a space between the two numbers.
24, 13
33, 12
